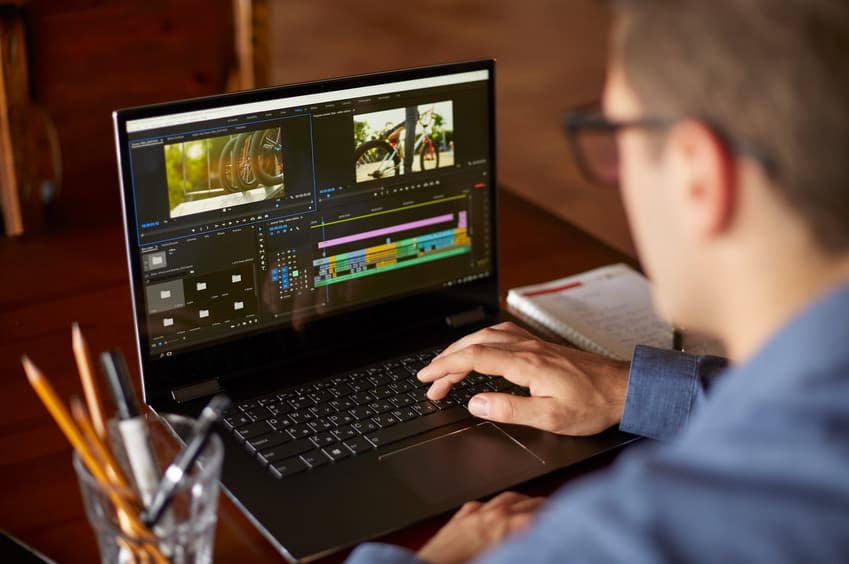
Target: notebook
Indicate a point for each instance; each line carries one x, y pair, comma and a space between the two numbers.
607, 310
286, 249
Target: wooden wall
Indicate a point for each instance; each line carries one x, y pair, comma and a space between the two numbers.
551, 57
90, 57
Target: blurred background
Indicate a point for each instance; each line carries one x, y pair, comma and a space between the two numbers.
67, 64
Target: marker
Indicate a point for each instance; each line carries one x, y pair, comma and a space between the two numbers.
201, 431
677, 340
131, 425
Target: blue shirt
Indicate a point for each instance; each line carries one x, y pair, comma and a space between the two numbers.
759, 473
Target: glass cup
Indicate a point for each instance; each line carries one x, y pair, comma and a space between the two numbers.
186, 531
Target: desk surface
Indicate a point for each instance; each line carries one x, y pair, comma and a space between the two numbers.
80, 274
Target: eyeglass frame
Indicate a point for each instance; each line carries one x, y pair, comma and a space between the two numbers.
575, 122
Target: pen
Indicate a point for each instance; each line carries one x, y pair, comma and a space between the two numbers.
131, 426
677, 340
201, 431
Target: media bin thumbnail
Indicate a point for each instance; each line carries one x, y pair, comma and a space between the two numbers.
380, 140
229, 170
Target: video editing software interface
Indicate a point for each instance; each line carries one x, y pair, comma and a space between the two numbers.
255, 215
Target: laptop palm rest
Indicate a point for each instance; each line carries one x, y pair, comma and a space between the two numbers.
467, 464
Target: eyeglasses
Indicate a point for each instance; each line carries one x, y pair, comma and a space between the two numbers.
593, 140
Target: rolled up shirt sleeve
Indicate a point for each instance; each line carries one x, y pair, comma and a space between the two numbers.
372, 552
664, 387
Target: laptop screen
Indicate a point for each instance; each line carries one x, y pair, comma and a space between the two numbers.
276, 211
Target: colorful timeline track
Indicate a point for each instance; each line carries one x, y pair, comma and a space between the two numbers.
393, 255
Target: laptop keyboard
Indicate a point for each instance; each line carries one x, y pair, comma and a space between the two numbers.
342, 416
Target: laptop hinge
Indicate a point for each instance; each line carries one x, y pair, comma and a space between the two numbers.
463, 318
195, 391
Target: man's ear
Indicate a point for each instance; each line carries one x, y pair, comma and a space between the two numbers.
704, 170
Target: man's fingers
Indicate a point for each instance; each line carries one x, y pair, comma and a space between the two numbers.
540, 412
501, 333
505, 499
468, 508
528, 505
494, 360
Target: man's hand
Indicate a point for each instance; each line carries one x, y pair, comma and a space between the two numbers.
478, 526
572, 392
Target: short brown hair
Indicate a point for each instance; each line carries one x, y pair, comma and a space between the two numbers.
774, 73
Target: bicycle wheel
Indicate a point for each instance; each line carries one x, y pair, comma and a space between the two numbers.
429, 155
225, 167
243, 176
266, 158
376, 159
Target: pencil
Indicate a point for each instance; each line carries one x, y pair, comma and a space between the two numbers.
100, 448
60, 414
86, 370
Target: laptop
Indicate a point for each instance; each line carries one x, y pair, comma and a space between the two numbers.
306, 249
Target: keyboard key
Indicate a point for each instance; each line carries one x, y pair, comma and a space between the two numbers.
340, 419
248, 405
444, 403
401, 387
337, 452
402, 400
279, 407
358, 445
301, 402
320, 425
322, 410
381, 406
420, 394
405, 414
324, 439
278, 422
237, 420
301, 416
366, 426
299, 431
361, 385
398, 373
383, 392
385, 420
362, 398
417, 426
361, 412
252, 430
315, 458
286, 450
267, 441
287, 467
425, 407
258, 413
342, 404
340, 390
380, 379
320, 396
345, 432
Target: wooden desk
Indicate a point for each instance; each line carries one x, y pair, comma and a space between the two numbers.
50, 280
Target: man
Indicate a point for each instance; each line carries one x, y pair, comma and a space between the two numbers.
732, 124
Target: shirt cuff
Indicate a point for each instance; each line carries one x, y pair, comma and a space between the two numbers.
663, 386
379, 553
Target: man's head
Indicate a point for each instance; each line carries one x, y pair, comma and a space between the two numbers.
769, 75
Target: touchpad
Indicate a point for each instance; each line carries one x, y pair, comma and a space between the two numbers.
466, 464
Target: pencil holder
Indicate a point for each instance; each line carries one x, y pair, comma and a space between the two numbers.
186, 530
